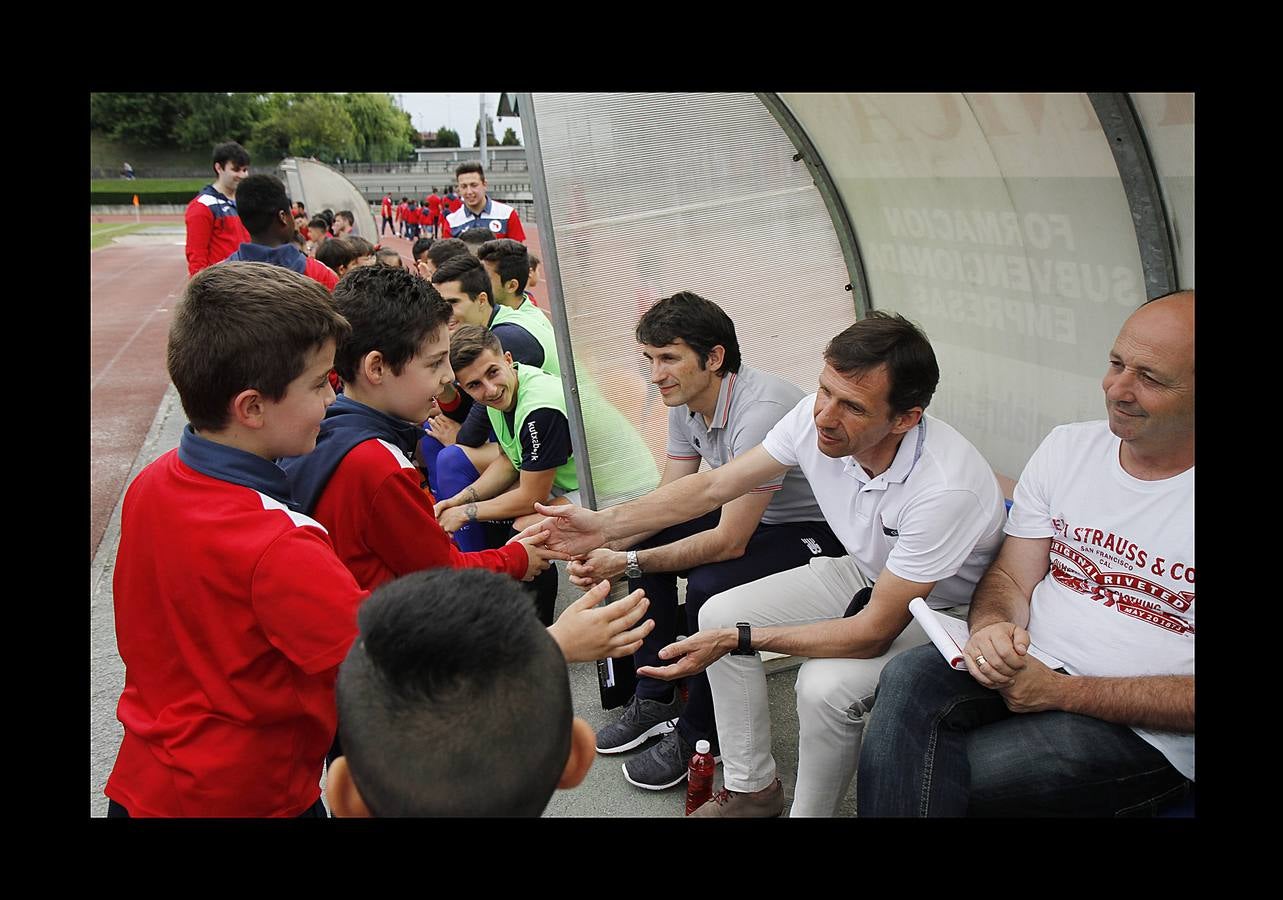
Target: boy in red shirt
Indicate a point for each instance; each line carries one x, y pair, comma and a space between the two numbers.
359, 482
232, 610
386, 209
214, 228
361, 485
434, 213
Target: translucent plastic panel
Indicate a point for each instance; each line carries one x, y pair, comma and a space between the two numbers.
653, 194
320, 187
998, 223
1168, 122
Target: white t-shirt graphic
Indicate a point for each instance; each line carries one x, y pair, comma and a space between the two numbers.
1119, 599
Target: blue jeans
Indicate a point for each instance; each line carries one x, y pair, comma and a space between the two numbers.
938, 743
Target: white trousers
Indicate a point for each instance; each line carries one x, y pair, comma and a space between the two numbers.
833, 695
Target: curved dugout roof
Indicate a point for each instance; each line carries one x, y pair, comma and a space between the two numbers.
1019, 230
320, 187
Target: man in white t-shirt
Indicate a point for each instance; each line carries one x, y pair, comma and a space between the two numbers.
920, 514
1079, 693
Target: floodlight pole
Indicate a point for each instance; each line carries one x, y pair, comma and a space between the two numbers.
481, 131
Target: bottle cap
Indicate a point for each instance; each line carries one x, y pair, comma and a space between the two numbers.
702, 747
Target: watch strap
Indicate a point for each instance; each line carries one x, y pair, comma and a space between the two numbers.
633, 568
745, 647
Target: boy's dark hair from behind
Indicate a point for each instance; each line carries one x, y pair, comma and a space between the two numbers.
446, 248
510, 258
466, 269
360, 245
454, 700
336, 253
388, 256
258, 199
391, 310
245, 325
421, 246
473, 238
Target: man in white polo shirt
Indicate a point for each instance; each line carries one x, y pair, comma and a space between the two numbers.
920, 514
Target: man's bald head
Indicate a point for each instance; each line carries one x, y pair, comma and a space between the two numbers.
1149, 385
1171, 319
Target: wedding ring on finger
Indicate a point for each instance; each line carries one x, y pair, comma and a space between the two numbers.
980, 660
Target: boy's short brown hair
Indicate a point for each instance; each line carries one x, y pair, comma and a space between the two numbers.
336, 253
245, 325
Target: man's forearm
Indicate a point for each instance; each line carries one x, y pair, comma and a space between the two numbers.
675, 502
998, 598
1161, 702
632, 540
831, 639
696, 550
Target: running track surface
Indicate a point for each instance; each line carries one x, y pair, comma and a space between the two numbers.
133, 287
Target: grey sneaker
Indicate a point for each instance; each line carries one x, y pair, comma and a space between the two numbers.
663, 765
640, 720
762, 804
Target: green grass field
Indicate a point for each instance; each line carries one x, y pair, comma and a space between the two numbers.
142, 186
102, 233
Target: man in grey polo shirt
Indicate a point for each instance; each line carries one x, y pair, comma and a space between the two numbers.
920, 514
718, 409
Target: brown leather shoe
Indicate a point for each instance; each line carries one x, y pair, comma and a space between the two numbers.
763, 804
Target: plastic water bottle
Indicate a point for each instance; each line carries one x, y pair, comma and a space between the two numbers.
699, 777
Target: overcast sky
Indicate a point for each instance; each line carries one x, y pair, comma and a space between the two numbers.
456, 111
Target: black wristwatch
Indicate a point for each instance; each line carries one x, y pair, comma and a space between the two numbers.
745, 647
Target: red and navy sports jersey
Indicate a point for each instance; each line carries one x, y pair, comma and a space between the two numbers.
232, 615
214, 229
290, 257
499, 218
382, 524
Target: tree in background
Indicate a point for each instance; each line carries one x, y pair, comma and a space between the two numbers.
213, 118
147, 119
510, 139
447, 137
356, 126
491, 140
383, 132
316, 125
